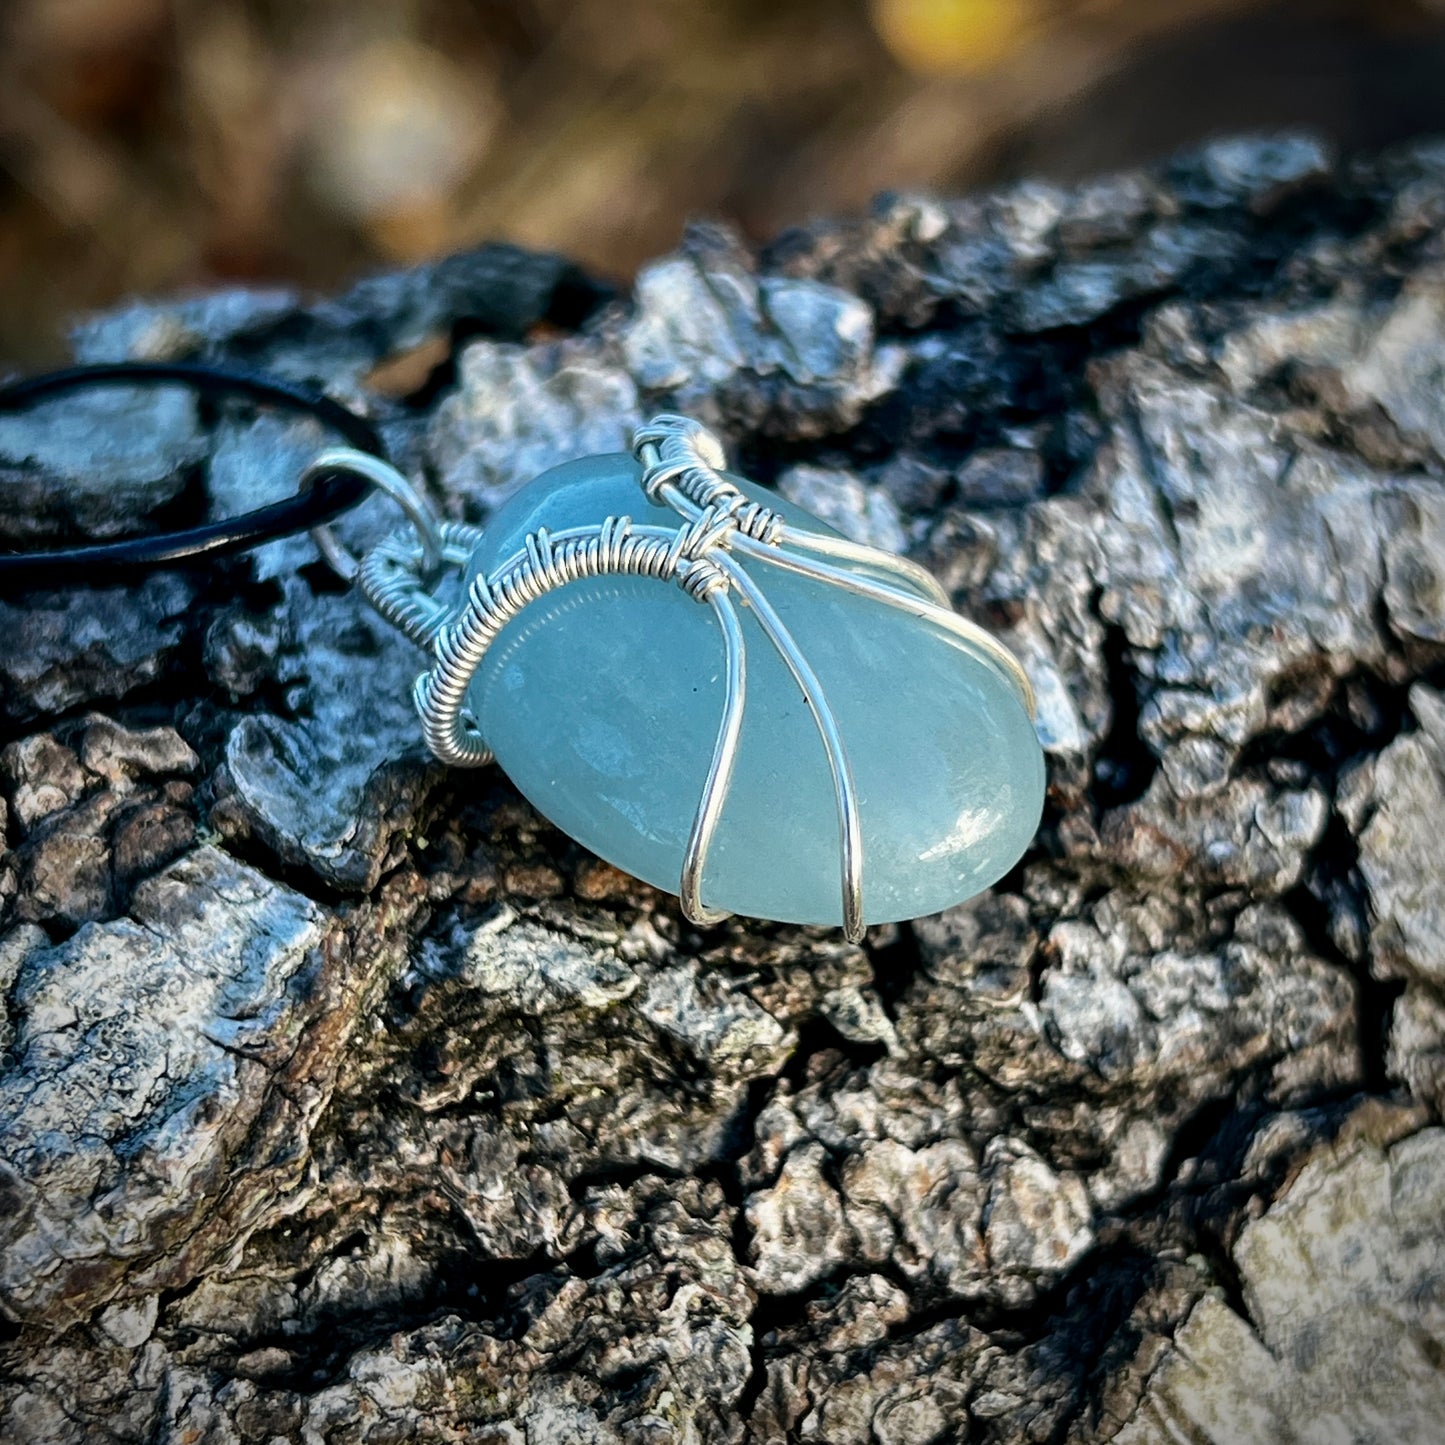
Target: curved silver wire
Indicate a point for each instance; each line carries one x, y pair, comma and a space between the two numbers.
848, 551
385, 478
850, 828
919, 607
933, 608
720, 771
719, 525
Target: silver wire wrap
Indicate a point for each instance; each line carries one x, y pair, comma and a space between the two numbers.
720, 528
390, 579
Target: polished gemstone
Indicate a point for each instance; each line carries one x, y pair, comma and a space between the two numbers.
602, 702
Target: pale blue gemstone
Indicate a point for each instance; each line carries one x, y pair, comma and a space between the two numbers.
602, 702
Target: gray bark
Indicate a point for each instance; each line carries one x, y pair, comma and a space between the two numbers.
343, 1099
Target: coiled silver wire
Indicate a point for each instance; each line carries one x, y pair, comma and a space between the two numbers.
615, 548
681, 453
389, 577
719, 527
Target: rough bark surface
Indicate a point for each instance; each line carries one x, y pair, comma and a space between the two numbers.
344, 1100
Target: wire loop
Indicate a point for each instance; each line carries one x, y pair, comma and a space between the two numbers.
385, 478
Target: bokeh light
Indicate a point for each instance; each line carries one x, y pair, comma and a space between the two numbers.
956, 36
150, 145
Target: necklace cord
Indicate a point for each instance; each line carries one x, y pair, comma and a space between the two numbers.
324, 495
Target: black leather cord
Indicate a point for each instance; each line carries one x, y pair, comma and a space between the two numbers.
329, 495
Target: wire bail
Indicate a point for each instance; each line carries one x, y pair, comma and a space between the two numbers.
384, 478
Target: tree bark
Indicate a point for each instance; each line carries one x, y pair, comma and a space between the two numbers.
344, 1099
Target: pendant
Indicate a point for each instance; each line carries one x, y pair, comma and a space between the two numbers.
718, 694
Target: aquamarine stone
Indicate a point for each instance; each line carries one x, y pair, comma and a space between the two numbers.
602, 702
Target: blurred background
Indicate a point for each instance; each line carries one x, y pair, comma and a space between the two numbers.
149, 145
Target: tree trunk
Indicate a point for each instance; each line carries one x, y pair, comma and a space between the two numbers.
346, 1100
